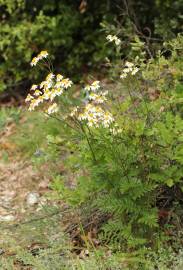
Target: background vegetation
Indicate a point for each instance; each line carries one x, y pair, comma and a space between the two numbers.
74, 32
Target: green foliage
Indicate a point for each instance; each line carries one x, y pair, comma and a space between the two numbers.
129, 171
32, 137
71, 31
29, 27
8, 116
168, 28
37, 242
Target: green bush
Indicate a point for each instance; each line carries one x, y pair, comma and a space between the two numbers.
127, 147
70, 30
129, 171
27, 27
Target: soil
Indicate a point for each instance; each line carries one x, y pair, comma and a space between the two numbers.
18, 178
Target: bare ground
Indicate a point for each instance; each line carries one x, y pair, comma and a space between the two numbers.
18, 178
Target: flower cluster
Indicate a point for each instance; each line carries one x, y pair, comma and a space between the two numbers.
92, 114
40, 56
129, 68
96, 116
52, 108
115, 130
114, 39
98, 98
74, 111
48, 90
95, 86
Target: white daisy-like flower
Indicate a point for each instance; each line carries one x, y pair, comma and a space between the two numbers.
135, 70
97, 98
43, 84
58, 85
107, 119
34, 87
34, 103
114, 39
40, 56
47, 94
129, 64
87, 88
95, 86
127, 69
59, 77
50, 77
115, 131
52, 108
34, 61
29, 98
54, 93
43, 54
66, 83
59, 91
117, 41
123, 75
109, 38
74, 111
37, 93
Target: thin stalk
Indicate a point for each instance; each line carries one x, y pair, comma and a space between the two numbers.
88, 141
62, 120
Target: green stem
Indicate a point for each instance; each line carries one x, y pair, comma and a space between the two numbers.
88, 141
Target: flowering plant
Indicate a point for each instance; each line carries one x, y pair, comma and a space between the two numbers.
129, 142
91, 113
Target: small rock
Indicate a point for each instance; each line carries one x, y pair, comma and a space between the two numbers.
2, 251
32, 198
7, 218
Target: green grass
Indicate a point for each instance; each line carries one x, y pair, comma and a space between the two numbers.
9, 115
39, 243
31, 134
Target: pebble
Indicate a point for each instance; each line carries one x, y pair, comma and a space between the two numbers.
2, 251
32, 198
7, 218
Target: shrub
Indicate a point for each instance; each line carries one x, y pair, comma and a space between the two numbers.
71, 31
129, 144
70, 34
